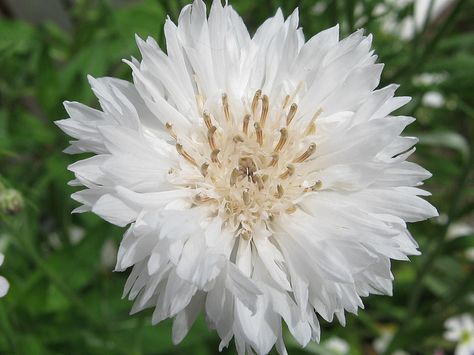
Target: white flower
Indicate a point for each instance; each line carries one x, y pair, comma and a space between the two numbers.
4, 285
433, 99
460, 329
262, 178
337, 345
426, 79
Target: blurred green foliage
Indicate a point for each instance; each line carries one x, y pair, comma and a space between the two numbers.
64, 298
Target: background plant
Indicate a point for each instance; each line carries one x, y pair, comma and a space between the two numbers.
64, 297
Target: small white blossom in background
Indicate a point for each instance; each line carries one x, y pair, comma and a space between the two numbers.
460, 230
76, 234
262, 179
4, 285
336, 346
386, 335
460, 329
427, 79
433, 99
11, 200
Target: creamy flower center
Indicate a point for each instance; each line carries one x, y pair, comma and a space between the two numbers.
251, 168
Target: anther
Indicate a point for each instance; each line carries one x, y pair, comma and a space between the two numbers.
315, 187
311, 129
233, 177
290, 170
204, 168
201, 199
169, 127
207, 119
256, 97
200, 102
185, 154
283, 139
286, 101
214, 158
258, 180
225, 104
265, 178
264, 114
291, 114
246, 197
238, 139
247, 166
245, 234
245, 127
280, 191
274, 161
311, 149
210, 137
259, 132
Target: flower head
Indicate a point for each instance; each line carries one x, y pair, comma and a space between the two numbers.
460, 329
261, 177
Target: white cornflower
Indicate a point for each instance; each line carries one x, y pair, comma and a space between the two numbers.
262, 178
4, 285
460, 329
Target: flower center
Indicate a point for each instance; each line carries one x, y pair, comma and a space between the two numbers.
251, 168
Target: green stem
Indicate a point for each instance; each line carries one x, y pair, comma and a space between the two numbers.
7, 329
23, 239
417, 63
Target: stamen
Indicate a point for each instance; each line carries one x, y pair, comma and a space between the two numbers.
258, 180
311, 129
207, 119
264, 114
247, 166
265, 178
283, 139
200, 102
204, 168
238, 139
311, 149
225, 104
290, 170
228, 208
280, 191
274, 161
259, 132
245, 127
233, 177
185, 154
210, 137
291, 209
169, 127
214, 158
315, 187
256, 97
201, 199
245, 234
246, 197
286, 101
291, 114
